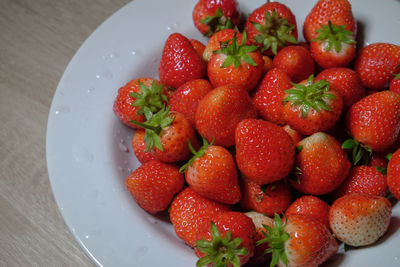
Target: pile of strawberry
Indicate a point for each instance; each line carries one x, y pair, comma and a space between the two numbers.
295, 137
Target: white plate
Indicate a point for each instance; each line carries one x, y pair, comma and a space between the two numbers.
88, 149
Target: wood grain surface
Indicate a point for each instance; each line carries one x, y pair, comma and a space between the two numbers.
37, 40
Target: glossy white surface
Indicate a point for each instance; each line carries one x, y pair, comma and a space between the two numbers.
88, 149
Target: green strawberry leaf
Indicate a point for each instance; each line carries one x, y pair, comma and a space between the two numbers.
217, 22
149, 98
196, 154
360, 153
334, 36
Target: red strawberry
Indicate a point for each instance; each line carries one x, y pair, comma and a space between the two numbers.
311, 107
267, 199
299, 241
210, 16
228, 241
189, 211
338, 12
360, 220
268, 64
375, 120
186, 98
139, 147
296, 136
211, 172
180, 62
364, 180
393, 174
347, 82
264, 151
218, 38
296, 61
310, 206
220, 111
321, 165
378, 160
376, 64
137, 96
237, 64
154, 184
271, 27
269, 94
395, 84
198, 46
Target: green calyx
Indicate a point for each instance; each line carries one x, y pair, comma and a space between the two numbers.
196, 154
220, 251
150, 98
217, 22
276, 237
276, 32
360, 153
153, 126
236, 53
334, 36
312, 95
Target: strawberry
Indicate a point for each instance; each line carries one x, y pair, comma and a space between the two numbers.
268, 64
272, 26
154, 184
395, 84
338, 12
180, 62
137, 96
227, 241
237, 64
264, 151
360, 220
376, 64
320, 165
393, 174
211, 172
198, 46
378, 160
189, 211
269, 94
296, 61
218, 38
347, 82
310, 206
299, 241
186, 98
267, 199
375, 120
210, 16
167, 135
139, 147
219, 112
312, 106
296, 136
364, 180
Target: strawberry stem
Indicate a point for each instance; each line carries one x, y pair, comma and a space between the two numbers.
196, 154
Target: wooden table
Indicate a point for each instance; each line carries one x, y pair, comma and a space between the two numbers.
37, 40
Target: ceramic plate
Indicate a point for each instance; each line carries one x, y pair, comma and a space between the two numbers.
88, 149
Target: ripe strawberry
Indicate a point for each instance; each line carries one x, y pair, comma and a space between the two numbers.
154, 184
296, 61
311, 107
167, 135
189, 211
347, 82
180, 62
139, 147
393, 174
268, 64
299, 241
219, 112
310, 206
395, 84
237, 64
375, 120
376, 64
338, 12
268, 96
186, 98
211, 172
228, 241
272, 26
296, 136
210, 16
218, 38
364, 180
378, 160
137, 96
198, 46
320, 166
267, 199
360, 220
264, 151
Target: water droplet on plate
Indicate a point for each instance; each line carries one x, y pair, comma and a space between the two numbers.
123, 147
105, 74
81, 155
90, 90
87, 236
61, 93
62, 110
